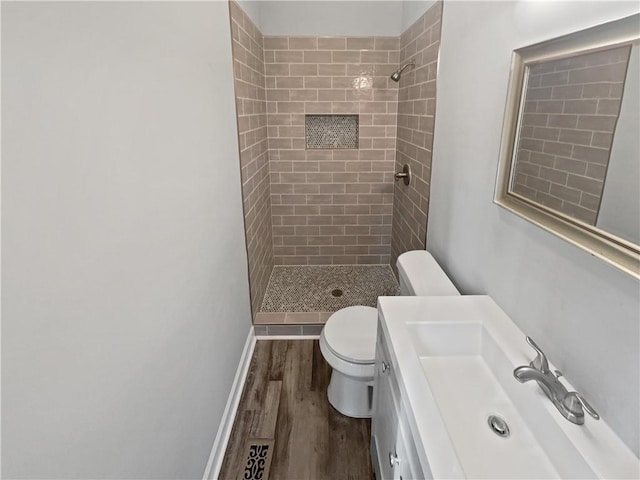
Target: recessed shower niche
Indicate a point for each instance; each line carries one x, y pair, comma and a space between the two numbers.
331, 131
322, 130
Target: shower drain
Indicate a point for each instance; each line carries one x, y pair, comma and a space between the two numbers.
336, 292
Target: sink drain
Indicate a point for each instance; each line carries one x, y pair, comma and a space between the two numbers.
336, 293
498, 426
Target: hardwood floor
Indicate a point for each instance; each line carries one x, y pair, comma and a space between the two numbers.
285, 400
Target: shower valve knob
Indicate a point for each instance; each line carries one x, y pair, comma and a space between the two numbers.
405, 174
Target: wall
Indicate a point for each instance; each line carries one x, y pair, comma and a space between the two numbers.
570, 113
331, 206
125, 296
412, 10
251, 109
313, 17
416, 112
581, 311
620, 207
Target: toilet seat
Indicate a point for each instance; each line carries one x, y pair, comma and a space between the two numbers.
350, 334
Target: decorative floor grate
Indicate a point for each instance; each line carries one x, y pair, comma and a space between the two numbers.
259, 454
327, 288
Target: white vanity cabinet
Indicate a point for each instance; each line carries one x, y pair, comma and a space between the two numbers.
393, 450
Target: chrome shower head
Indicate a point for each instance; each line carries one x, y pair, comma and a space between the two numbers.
395, 76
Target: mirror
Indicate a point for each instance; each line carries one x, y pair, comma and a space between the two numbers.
570, 153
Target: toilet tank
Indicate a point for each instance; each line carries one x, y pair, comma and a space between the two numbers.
420, 275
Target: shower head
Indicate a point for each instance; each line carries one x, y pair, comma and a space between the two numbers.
395, 76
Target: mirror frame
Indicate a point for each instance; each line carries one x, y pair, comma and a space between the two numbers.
615, 250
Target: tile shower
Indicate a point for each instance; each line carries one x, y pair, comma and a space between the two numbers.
310, 212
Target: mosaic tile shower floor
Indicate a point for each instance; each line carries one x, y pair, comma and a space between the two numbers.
314, 288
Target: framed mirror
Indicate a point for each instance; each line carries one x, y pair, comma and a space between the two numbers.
570, 150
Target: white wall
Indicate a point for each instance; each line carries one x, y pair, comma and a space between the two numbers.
412, 10
354, 18
335, 17
583, 312
125, 292
620, 204
253, 8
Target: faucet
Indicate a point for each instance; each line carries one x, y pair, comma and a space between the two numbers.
571, 405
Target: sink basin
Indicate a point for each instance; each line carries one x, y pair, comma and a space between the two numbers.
455, 358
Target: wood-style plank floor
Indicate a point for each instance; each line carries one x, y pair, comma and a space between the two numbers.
285, 400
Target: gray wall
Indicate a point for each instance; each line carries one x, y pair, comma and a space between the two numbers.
583, 312
620, 207
125, 296
336, 17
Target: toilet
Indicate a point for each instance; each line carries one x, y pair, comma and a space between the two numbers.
348, 339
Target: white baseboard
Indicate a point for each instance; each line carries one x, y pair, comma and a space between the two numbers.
216, 457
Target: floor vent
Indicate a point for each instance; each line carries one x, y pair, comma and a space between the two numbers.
258, 454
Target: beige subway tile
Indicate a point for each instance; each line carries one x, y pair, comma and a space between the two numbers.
374, 57
320, 240
302, 317
344, 260
360, 43
332, 209
387, 43
330, 95
276, 69
317, 82
332, 230
331, 69
304, 95
332, 43
305, 188
304, 69
289, 82
263, 318
290, 107
332, 250
317, 56
320, 220
601, 140
288, 56
303, 43
344, 107
346, 56
276, 43
307, 209
307, 251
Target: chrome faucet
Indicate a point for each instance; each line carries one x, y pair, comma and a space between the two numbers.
571, 405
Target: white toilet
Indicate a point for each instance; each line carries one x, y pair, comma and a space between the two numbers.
348, 339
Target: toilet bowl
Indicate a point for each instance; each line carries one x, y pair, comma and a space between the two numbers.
348, 339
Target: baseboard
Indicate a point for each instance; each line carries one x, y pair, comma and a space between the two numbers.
224, 431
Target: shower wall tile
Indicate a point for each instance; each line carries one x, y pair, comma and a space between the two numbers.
416, 114
331, 206
248, 67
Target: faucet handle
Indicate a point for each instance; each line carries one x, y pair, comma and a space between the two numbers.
572, 398
540, 362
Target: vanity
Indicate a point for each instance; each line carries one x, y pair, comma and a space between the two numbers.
447, 404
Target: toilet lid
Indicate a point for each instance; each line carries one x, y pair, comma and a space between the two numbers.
351, 334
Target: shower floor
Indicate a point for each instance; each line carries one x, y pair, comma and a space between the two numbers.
309, 294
